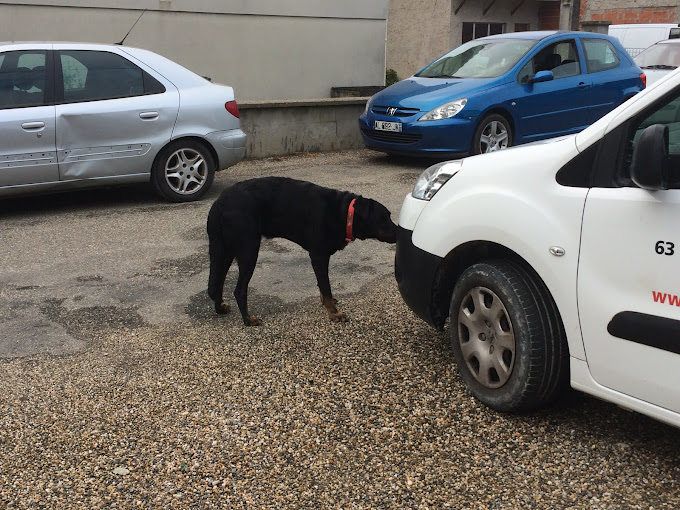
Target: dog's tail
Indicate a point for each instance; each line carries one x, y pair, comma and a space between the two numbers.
214, 225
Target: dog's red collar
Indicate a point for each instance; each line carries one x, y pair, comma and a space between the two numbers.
349, 237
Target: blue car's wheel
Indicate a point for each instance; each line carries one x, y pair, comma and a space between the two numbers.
493, 133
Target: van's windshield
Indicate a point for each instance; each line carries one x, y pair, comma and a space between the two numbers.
479, 59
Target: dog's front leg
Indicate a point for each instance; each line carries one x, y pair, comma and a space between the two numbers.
320, 264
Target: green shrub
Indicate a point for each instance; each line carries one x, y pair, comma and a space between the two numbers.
391, 77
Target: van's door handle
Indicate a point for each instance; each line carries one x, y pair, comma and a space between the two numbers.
33, 125
148, 115
583, 85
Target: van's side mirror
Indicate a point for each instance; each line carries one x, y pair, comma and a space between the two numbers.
649, 167
542, 76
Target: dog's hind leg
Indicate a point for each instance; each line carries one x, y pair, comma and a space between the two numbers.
220, 261
320, 264
247, 259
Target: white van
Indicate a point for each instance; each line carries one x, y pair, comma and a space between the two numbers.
637, 37
558, 262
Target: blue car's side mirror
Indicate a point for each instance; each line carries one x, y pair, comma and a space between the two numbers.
542, 76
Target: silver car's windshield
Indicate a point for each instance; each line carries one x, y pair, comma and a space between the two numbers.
479, 59
659, 56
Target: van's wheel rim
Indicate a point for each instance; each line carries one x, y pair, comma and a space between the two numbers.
186, 171
494, 137
486, 337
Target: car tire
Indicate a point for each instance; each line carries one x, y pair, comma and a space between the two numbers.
493, 133
183, 171
507, 338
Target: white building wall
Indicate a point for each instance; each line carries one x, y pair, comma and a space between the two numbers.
265, 49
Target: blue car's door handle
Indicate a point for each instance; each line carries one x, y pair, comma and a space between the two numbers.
583, 85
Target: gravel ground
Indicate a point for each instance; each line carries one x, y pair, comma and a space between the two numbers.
201, 412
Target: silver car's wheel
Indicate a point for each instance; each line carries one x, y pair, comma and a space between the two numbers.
507, 337
492, 134
486, 338
184, 171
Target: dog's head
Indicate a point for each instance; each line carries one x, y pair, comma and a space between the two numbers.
372, 221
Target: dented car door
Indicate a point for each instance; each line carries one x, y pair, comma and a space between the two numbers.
112, 115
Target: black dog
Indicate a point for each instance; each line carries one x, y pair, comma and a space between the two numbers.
320, 220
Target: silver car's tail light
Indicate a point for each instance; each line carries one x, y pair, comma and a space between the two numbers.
232, 108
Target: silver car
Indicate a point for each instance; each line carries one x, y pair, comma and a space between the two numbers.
659, 59
76, 115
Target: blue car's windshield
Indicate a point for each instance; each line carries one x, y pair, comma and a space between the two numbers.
479, 59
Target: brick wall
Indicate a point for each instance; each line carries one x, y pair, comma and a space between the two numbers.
620, 16
616, 13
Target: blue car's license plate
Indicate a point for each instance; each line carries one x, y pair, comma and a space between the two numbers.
382, 125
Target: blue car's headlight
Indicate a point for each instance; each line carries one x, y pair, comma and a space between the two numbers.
434, 178
445, 111
368, 104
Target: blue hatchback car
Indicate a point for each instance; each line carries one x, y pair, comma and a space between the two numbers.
502, 90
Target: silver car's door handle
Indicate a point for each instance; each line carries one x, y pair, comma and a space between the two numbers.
148, 115
33, 125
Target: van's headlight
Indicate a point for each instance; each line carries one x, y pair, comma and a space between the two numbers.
434, 178
445, 111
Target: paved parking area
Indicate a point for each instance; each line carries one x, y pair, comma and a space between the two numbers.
122, 258
120, 388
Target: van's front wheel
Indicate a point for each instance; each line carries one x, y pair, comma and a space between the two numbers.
493, 133
506, 336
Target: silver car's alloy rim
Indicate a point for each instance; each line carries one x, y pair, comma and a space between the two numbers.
487, 341
186, 171
494, 137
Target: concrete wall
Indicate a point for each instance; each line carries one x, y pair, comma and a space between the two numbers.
286, 127
265, 49
418, 32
